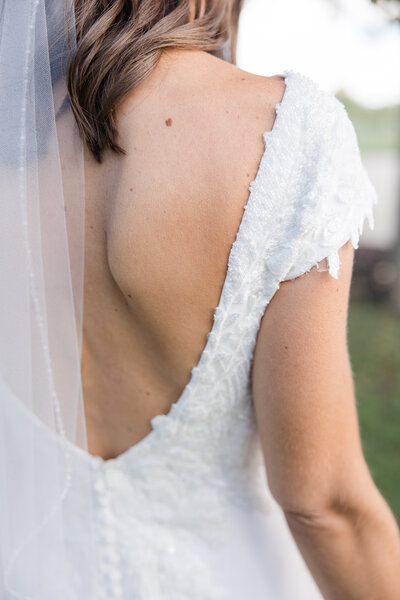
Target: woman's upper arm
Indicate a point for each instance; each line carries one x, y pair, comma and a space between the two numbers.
303, 394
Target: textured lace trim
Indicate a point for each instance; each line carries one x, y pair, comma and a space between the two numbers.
339, 196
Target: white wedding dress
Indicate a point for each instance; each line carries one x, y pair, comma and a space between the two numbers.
186, 513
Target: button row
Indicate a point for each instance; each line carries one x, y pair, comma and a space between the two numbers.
110, 559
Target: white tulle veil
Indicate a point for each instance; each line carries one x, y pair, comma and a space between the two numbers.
41, 277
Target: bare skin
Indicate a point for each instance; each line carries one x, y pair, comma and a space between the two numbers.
160, 223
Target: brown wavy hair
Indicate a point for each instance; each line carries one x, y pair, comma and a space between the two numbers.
118, 44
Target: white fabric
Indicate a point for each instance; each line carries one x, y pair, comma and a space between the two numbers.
186, 514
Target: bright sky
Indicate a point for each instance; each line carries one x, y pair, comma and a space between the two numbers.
346, 44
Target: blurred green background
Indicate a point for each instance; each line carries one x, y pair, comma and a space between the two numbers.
374, 346
374, 325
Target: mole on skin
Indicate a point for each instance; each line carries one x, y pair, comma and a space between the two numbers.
168, 122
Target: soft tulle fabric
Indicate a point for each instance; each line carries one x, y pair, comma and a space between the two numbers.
187, 514
42, 216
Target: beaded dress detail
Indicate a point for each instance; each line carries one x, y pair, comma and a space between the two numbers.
186, 513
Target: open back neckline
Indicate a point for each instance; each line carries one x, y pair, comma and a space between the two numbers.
207, 353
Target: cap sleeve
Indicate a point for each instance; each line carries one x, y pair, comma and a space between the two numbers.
335, 194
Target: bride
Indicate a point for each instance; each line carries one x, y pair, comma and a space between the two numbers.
177, 410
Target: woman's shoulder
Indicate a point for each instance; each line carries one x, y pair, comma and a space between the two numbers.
199, 122
204, 94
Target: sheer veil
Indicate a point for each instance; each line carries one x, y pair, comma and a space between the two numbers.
41, 268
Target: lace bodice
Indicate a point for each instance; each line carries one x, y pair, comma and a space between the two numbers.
186, 514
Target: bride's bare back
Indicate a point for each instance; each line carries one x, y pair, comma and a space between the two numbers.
160, 223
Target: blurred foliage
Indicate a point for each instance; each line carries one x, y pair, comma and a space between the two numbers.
377, 128
391, 6
373, 338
